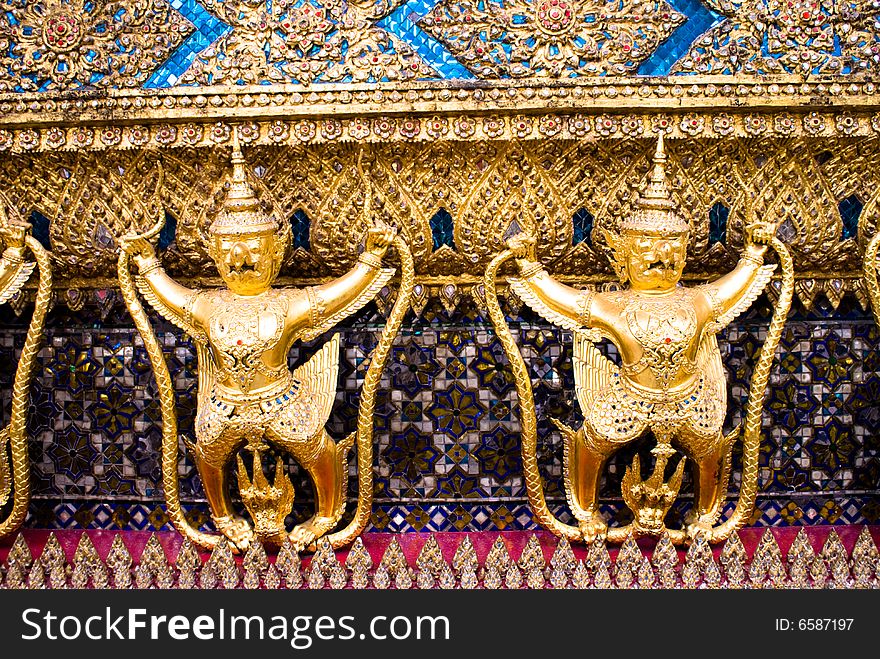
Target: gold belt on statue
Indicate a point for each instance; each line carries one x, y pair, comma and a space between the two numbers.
275, 395
662, 396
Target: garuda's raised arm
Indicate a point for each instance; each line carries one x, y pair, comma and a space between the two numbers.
570, 308
14, 270
733, 293
172, 300
330, 303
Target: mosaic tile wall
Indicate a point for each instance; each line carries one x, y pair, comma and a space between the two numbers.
165, 43
447, 433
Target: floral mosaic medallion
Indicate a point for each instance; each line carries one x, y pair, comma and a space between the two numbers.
551, 38
303, 41
57, 45
787, 36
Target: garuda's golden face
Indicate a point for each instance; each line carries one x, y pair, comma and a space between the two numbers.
655, 262
247, 264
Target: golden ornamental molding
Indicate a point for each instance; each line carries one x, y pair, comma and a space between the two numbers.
501, 127
159, 565
711, 106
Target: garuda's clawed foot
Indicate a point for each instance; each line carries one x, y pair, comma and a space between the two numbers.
237, 531
307, 533
698, 526
593, 527
301, 537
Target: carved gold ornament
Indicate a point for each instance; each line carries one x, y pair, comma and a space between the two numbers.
59, 45
551, 38
329, 40
787, 36
91, 198
870, 269
831, 566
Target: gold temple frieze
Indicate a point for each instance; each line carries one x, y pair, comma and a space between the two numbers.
753, 564
700, 106
455, 202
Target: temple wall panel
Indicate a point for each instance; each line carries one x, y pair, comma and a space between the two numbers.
460, 125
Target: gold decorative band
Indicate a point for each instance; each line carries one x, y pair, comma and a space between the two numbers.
150, 266
370, 259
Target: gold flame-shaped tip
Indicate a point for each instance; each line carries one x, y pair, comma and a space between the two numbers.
241, 213
660, 151
240, 192
656, 194
655, 209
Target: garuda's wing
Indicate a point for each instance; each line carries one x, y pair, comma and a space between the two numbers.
207, 373
16, 280
593, 371
765, 273
365, 296
709, 361
166, 312
537, 304
317, 382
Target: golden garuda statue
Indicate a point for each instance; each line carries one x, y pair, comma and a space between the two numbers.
670, 381
15, 270
248, 398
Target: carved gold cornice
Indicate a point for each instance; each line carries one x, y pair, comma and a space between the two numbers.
606, 108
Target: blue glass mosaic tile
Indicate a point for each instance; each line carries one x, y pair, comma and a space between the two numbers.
168, 232
402, 23
208, 29
699, 19
447, 430
753, 43
463, 516
583, 227
850, 210
300, 225
441, 229
40, 228
718, 215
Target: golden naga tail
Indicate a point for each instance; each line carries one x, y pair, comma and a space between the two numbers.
15, 432
870, 268
364, 432
755, 406
528, 420
164, 384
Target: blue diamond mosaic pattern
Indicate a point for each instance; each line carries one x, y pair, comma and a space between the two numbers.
74, 44
447, 432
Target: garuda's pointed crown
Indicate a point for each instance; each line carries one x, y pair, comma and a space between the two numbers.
242, 213
655, 210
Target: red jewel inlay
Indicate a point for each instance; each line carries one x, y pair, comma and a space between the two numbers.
668, 340
239, 341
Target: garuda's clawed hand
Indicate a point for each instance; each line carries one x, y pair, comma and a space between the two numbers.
14, 234
758, 236
139, 248
522, 246
379, 237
